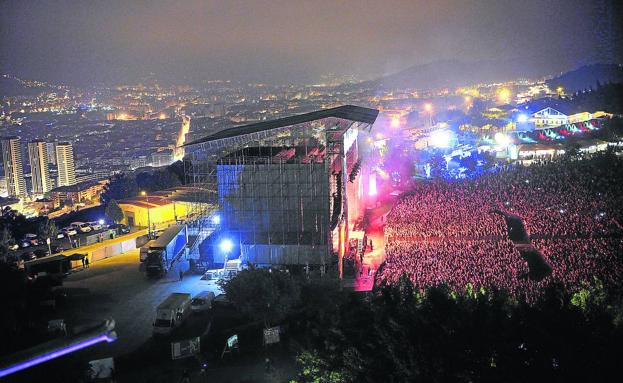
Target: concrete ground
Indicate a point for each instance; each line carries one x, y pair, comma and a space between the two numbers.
115, 288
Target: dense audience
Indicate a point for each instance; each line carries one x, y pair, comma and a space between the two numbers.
447, 231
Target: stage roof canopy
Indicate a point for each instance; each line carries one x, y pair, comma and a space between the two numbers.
347, 112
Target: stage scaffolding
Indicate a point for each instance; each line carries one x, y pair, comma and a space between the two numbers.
280, 191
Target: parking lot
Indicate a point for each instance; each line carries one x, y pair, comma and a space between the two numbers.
59, 245
115, 288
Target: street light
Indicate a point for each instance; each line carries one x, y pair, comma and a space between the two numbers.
144, 194
428, 107
226, 246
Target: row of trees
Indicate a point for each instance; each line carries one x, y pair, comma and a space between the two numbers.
398, 334
130, 185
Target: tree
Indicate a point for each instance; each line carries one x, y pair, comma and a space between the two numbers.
400, 334
6, 239
113, 211
263, 294
314, 369
47, 229
120, 187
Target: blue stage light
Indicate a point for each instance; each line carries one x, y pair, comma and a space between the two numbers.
226, 245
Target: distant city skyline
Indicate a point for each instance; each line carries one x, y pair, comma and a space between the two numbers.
88, 43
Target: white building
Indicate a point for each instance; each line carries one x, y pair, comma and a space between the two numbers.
65, 163
38, 157
549, 117
13, 168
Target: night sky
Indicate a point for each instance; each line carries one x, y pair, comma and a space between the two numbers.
85, 42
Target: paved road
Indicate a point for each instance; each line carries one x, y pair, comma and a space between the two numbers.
115, 288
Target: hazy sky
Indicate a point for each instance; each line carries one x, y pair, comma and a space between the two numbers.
85, 41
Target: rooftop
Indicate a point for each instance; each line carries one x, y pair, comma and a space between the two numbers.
75, 188
347, 112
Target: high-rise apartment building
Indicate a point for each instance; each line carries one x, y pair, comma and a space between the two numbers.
51, 147
38, 157
65, 164
13, 168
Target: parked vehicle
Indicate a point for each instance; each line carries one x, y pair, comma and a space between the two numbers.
40, 253
202, 301
144, 251
120, 228
57, 249
95, 225
60, 235
82, 227
32, 238
24, 243
69, 231
171, 313
165, 251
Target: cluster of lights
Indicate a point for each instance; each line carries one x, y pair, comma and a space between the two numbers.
522, 118
440, 138
395, 122
502, 139
504, 95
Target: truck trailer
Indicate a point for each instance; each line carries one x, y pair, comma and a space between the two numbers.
165, 251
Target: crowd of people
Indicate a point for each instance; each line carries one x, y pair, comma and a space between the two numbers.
481, 263
447, 231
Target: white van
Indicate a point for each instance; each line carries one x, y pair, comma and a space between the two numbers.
171, 313
202, 301
81, 227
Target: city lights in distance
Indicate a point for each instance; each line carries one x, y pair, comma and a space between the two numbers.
395, 122
440, 138
521, 118
428, 107
504, 95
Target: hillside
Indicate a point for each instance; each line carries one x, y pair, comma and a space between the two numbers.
457, 73
587, 76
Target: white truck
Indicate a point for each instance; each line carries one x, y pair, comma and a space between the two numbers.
165, 251
172, 313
